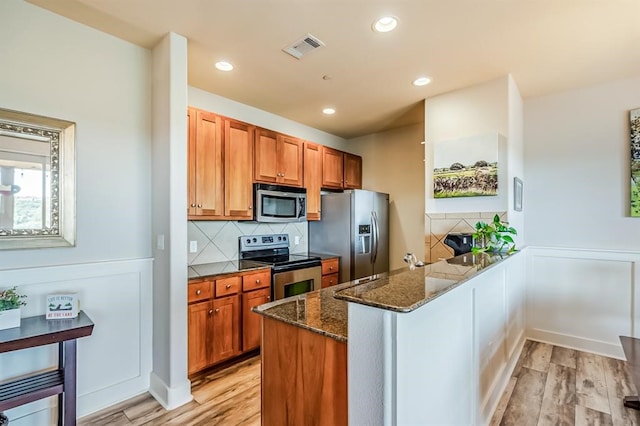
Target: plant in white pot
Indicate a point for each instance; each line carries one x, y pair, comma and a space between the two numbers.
10, 303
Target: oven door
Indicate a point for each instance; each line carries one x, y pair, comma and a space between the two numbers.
297, 281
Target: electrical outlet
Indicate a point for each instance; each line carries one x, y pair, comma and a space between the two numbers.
193, 246
160, 242
296, 240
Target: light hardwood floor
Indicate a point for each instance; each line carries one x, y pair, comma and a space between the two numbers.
227, 397
550, 385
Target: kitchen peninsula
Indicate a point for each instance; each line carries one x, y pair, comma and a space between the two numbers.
424, 346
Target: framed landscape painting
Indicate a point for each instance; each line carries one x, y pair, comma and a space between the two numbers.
466, 167
634, 116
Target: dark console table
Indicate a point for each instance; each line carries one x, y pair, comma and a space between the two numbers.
38, 331
631, 347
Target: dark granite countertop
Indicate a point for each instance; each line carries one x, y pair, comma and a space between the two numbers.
317, 311
223, 268
403, 290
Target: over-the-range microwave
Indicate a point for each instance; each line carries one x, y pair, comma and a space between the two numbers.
277, 203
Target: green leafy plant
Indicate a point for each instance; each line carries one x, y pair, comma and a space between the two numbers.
494, 237
10, 299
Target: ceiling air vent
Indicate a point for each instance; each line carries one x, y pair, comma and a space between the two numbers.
301, 47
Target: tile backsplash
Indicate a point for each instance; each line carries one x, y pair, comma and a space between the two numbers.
218, 240
438, 225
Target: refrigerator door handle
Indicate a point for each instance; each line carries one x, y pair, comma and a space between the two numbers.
376, 236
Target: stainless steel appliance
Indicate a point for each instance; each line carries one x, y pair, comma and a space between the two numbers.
354, 226
276, 203
291, 274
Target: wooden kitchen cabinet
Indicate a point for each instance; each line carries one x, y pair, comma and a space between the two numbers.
226, 328
330, 272
205, 166
221, 324
332, 168
341, 170
251, 325
352, 171
278, 158
238, 177
313, 179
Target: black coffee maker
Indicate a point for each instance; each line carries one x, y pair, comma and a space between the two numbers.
460, 242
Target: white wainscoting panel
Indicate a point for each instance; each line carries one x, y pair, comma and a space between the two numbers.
115, 361
583, 299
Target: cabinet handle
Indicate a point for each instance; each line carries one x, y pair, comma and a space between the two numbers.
331, 282
268, 297
257, 281
228, 286
250, 206
217, 310
193, 204
199, 206
210, 311
198, 292
331, 268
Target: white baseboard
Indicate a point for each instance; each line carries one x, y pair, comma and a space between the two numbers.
170, 397
579, 343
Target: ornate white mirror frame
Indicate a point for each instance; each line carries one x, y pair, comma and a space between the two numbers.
39, 154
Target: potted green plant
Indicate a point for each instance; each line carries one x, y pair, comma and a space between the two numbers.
10, 303
494, 237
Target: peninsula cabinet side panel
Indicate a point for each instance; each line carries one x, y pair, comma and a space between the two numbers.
304, 377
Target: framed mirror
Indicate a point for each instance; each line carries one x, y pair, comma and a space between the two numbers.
37, 181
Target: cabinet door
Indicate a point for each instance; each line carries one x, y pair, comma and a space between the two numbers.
251, 324
332, 168
265, 163
205, 185
200, 316
191, 161
209, 184
329, 280
238, 166
290, 153
352, 171
226, 328
313, 179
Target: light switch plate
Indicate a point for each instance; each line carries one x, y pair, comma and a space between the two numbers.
160, 242
296, 240
193, 246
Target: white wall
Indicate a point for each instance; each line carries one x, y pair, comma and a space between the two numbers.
393, 162
577, 163
211, 102
55, 67
471, 112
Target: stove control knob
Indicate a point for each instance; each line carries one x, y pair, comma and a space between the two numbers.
248, 240
284, 238
279, 238
255, 240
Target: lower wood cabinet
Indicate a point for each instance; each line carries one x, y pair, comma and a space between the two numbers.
251, 325
330, 272
221, 324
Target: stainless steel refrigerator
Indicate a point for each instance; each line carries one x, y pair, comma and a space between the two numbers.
354, 226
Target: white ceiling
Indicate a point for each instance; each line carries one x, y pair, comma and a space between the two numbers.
547, 45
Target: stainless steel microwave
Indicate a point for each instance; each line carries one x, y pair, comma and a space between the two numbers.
276, 203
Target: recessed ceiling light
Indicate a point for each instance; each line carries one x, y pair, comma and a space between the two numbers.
385, 24
224, 66
328, 111
422, 81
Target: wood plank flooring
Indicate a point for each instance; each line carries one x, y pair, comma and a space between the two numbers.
227, 397
550, 385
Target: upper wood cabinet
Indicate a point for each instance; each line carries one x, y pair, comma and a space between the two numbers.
341, 170
205, 166
238, 177
352, 171
313, 178
278, 158
332, 168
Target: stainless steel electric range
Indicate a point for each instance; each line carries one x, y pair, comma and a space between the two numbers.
291, 274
